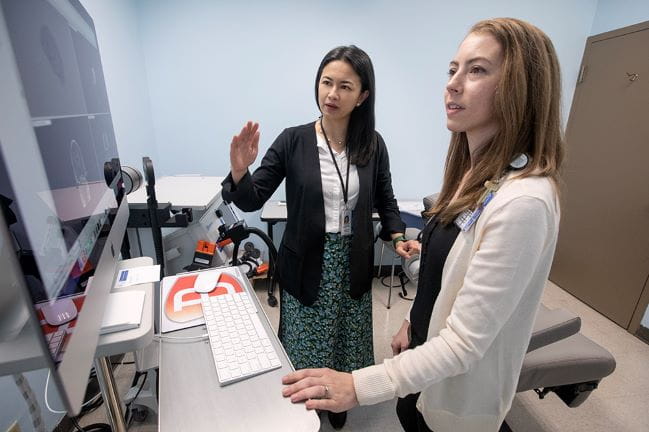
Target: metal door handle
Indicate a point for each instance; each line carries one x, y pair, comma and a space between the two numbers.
632, 76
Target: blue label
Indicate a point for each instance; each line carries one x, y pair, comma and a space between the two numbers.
123, 275
467, 218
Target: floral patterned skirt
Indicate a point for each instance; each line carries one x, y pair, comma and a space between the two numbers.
336, 331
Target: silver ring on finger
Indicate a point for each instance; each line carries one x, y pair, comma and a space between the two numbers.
326, 392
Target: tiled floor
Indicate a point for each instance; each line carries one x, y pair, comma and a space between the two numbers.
621, 403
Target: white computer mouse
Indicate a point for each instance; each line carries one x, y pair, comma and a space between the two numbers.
206, 282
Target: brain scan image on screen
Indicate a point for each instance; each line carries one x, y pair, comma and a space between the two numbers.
80, 172
52, 53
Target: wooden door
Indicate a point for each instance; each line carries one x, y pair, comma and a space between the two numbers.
602, 255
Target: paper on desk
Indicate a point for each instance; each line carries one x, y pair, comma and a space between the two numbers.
137, 275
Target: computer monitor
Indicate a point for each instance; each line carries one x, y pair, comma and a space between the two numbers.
61, 190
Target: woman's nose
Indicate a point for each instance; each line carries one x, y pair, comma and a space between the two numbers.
454, 85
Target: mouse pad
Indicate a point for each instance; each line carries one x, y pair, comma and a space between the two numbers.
181, 306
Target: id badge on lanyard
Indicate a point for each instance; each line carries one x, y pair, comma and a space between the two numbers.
467, 218
345, 221
345, 218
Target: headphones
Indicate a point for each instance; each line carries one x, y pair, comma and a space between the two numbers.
519, 162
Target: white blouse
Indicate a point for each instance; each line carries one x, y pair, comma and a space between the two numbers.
332, 190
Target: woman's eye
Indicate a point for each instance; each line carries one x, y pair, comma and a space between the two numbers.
451, 72
477, 69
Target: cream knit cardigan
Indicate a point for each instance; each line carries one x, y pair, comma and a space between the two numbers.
493, 277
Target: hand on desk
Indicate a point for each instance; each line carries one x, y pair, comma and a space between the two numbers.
323, 389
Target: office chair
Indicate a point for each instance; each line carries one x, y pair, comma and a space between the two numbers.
411, 233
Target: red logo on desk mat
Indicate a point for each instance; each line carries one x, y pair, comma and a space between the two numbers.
184, 304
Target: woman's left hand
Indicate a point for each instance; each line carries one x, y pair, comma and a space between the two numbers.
323, 389
408, 248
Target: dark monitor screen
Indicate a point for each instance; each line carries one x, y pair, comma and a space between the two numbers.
60, 185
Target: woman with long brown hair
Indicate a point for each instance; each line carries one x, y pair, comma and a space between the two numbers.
486, 251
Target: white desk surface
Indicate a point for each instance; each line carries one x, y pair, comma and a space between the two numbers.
187, 191
413, 207
274, 211
192, 400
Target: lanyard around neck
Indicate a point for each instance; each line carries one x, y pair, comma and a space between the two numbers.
344, 185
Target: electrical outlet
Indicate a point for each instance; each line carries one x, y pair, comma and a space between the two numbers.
14, 427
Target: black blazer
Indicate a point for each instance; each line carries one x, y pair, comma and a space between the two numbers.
294, 156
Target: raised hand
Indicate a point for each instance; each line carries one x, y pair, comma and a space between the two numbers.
243, 150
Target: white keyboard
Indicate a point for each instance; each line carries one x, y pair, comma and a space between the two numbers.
55, 340
240, 345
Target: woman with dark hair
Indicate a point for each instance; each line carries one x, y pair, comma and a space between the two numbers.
486, 251
336, 170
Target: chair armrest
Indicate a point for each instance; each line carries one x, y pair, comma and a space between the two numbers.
551, 326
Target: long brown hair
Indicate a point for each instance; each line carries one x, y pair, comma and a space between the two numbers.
527, 109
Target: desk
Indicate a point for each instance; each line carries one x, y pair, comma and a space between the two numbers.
411, 213
202, 195
275, 211
122, 342
189, 191
192, 400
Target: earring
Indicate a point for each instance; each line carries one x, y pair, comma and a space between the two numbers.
358, 104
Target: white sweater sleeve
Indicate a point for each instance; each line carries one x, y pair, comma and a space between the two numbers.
510, 249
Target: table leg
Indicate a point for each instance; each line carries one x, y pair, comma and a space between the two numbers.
110, 394
270, 229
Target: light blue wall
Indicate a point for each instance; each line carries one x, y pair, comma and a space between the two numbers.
213, 65
614, 14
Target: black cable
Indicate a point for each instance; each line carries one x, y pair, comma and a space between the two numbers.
76, 425
98, 427
128, 417
87, 409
